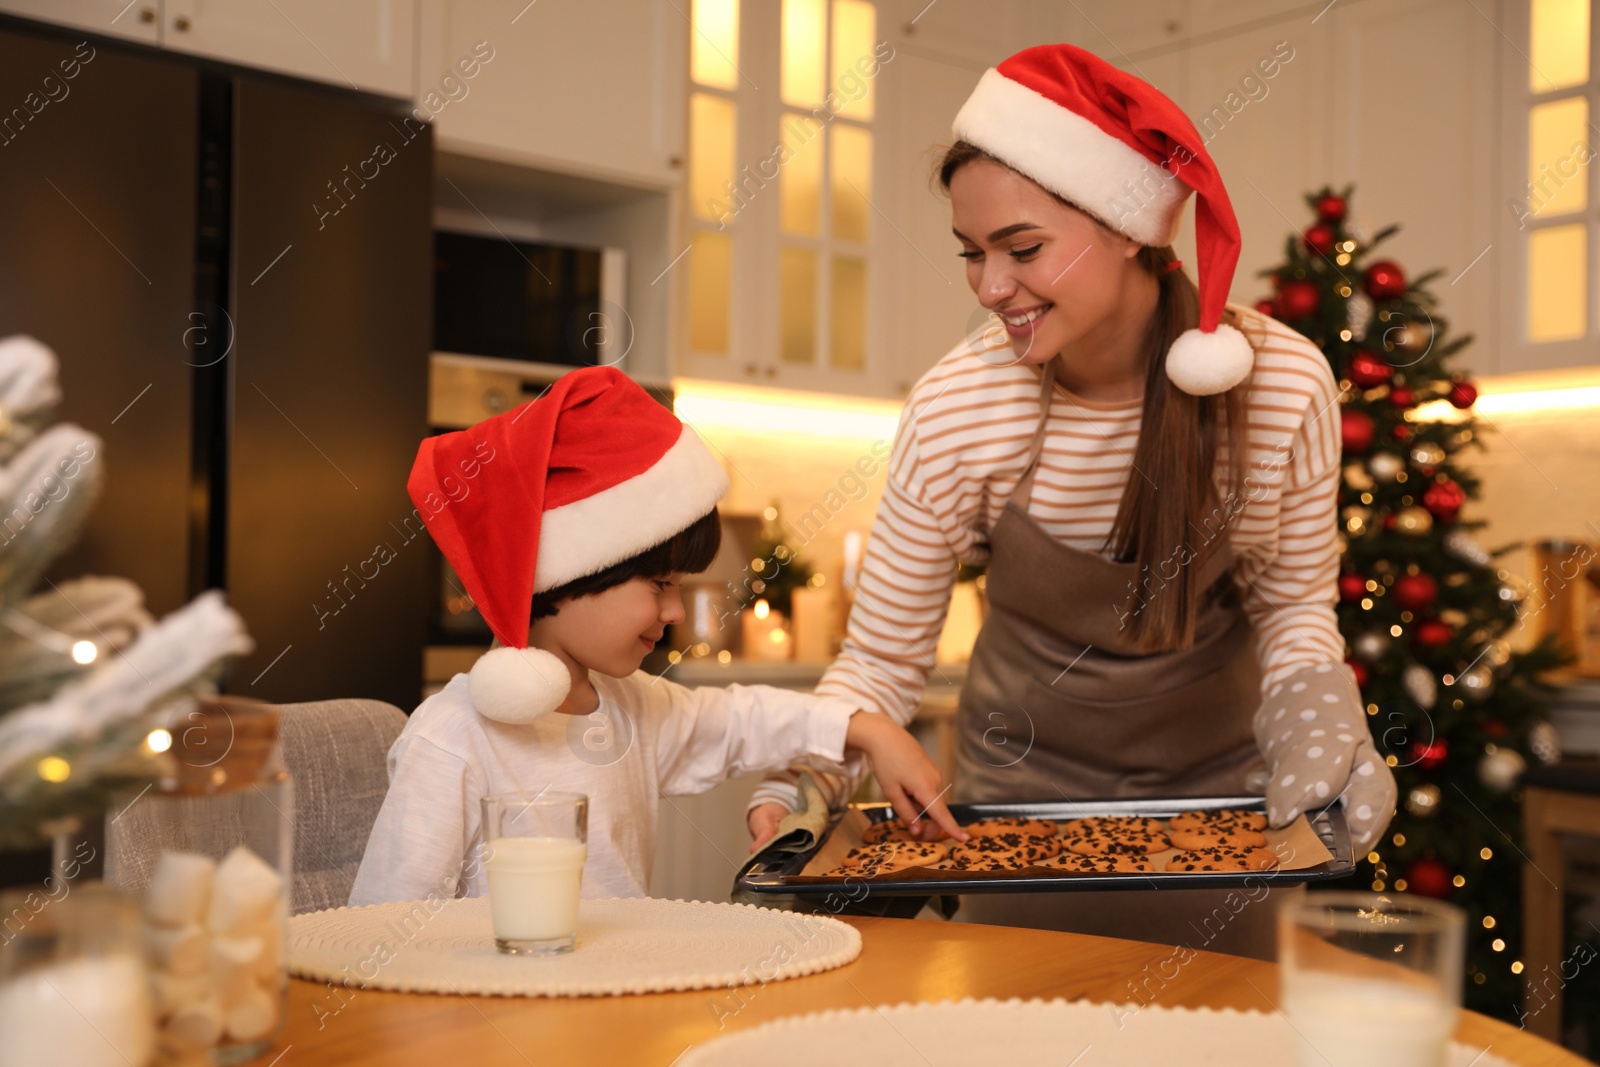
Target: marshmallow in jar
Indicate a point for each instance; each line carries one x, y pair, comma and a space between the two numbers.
209, 851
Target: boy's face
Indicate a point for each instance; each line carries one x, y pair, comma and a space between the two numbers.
611, 632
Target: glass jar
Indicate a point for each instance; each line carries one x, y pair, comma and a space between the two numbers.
208, 851
73, 984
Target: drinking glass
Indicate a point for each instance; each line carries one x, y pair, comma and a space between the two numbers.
73, 983
534, 845
1371, 979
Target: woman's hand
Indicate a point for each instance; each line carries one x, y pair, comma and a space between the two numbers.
763, 820
909, 779
1313, 731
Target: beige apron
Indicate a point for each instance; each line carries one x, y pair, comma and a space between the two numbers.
1057, 706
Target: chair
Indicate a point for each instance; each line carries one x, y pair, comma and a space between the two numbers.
1563, 799
337, 752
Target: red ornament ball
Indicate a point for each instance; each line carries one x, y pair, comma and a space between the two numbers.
1401, 397
1428, 755
1359, 669
1356, 429
1401, 431
1319, 239
1495, 727
1267, 308
1384, 280
1331, 208
1431, 633
1367, 370
1444, 500
1463, 394
1415, 592
1352, 587
1298, 299
1389, 521
1429, 878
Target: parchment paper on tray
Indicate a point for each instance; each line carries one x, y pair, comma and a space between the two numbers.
1297, 845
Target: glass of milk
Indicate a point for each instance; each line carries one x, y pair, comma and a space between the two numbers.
73, 983
1371, 979
534, 845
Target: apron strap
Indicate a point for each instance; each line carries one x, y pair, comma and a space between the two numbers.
1024, 491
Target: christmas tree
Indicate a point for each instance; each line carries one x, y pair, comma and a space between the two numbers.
91, 685
1423, 608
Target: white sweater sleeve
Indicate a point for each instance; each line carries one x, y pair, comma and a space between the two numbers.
418, 843
707, 735
900, 605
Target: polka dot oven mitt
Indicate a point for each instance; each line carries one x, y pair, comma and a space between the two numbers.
1313, 731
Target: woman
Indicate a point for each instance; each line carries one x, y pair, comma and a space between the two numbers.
1150, 475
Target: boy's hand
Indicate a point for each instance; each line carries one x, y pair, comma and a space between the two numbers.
906, 775
763, 820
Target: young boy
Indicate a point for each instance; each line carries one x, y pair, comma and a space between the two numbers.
570, 521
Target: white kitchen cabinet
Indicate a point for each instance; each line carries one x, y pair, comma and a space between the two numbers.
138, 21
931, 306
1415, 128
805, 297
976, 35
362, 44
593, 88
1267, 135
940, 52
1343, 110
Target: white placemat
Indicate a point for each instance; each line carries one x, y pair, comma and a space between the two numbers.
1022, 1033
624, 946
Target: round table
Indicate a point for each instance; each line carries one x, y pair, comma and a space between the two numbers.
901, 960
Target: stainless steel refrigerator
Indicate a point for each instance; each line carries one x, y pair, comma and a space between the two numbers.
235, 271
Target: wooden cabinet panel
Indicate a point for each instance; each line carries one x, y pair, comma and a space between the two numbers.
330, 382
97, 239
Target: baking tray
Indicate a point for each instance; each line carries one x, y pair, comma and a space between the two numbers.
768, 874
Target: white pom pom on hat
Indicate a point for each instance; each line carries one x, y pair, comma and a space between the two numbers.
1205, 363
1115, 147
517, 685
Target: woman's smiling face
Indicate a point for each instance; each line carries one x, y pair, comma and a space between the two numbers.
1054, 275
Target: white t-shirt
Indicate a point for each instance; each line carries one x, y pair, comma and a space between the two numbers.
649, 738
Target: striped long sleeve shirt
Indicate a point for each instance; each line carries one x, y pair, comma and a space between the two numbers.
960, 450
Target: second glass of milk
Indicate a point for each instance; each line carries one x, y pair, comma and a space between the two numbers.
534, 846
1371, 980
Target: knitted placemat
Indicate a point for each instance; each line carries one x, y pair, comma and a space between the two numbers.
624, 946
1023, 1033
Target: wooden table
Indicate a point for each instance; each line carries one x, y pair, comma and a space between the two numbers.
901, 960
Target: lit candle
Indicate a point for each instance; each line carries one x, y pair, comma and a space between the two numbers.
812, 625
765, 639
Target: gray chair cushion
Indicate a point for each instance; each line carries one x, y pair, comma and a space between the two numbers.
336, 750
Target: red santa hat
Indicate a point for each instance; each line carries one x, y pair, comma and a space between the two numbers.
590, 474
1117, 148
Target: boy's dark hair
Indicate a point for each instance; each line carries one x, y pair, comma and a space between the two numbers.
689, 551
